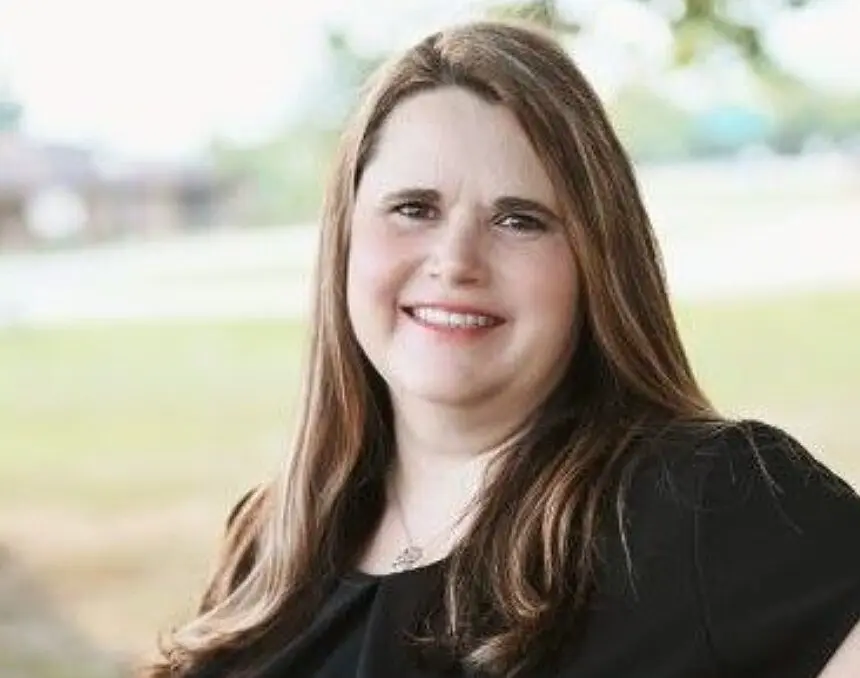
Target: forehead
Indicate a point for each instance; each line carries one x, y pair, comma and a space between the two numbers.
452, 140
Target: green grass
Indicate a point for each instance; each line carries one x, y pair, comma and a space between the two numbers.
121, 446
791, 350
108, 416
794, 361
120, 449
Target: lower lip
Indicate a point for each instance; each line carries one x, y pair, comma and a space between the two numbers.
468, 332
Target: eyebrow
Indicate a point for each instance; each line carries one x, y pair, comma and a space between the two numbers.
416, 194
510, 203
506, 203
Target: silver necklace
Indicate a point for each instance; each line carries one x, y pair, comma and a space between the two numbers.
413, 554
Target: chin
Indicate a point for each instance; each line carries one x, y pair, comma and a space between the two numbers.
442, 392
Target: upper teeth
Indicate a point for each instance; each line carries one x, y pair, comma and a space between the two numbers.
436, 316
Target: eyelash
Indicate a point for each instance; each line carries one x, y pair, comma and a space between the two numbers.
421, 211
415, 210
528, 224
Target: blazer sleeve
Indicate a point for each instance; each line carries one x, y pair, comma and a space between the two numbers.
776, 548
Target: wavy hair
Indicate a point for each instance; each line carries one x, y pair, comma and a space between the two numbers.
514, 574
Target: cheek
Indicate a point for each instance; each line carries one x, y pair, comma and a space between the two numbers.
377, 268
550, 282
548, 289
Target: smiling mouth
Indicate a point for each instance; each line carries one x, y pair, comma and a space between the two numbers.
443, 319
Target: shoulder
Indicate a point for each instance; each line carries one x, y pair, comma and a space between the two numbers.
727, 466
749, 495
769, 536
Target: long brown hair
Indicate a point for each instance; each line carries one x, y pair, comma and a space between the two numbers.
508, 581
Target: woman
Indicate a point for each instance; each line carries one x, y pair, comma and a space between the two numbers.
504, 465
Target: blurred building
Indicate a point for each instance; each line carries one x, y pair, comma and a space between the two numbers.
51, 192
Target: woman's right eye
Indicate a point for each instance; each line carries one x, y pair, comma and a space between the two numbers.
415, 210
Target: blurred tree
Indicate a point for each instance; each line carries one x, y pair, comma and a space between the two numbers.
698, 26
11, 112
804, 119
655, 128
349, 70
650, 125
840, 117
543, 12
289, 169
285, 171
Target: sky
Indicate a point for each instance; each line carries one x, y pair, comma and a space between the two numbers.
159, 78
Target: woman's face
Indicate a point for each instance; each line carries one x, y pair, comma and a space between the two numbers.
461, 288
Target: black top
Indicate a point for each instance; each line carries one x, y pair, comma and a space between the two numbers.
745, 563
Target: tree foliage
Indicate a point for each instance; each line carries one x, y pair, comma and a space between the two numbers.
699, 27
288, 171
290, 168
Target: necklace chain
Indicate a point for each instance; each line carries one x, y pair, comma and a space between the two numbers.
413, 554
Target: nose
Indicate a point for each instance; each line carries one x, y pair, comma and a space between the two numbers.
457, 256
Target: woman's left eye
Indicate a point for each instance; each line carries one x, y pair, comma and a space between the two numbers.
521, 223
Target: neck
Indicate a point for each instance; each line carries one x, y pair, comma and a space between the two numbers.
442, 456
435, 481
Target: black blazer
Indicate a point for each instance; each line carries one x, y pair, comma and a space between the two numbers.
745, 560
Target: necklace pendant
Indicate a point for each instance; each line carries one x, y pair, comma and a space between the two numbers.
407, 558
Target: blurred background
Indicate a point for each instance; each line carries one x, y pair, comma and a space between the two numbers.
161, 168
